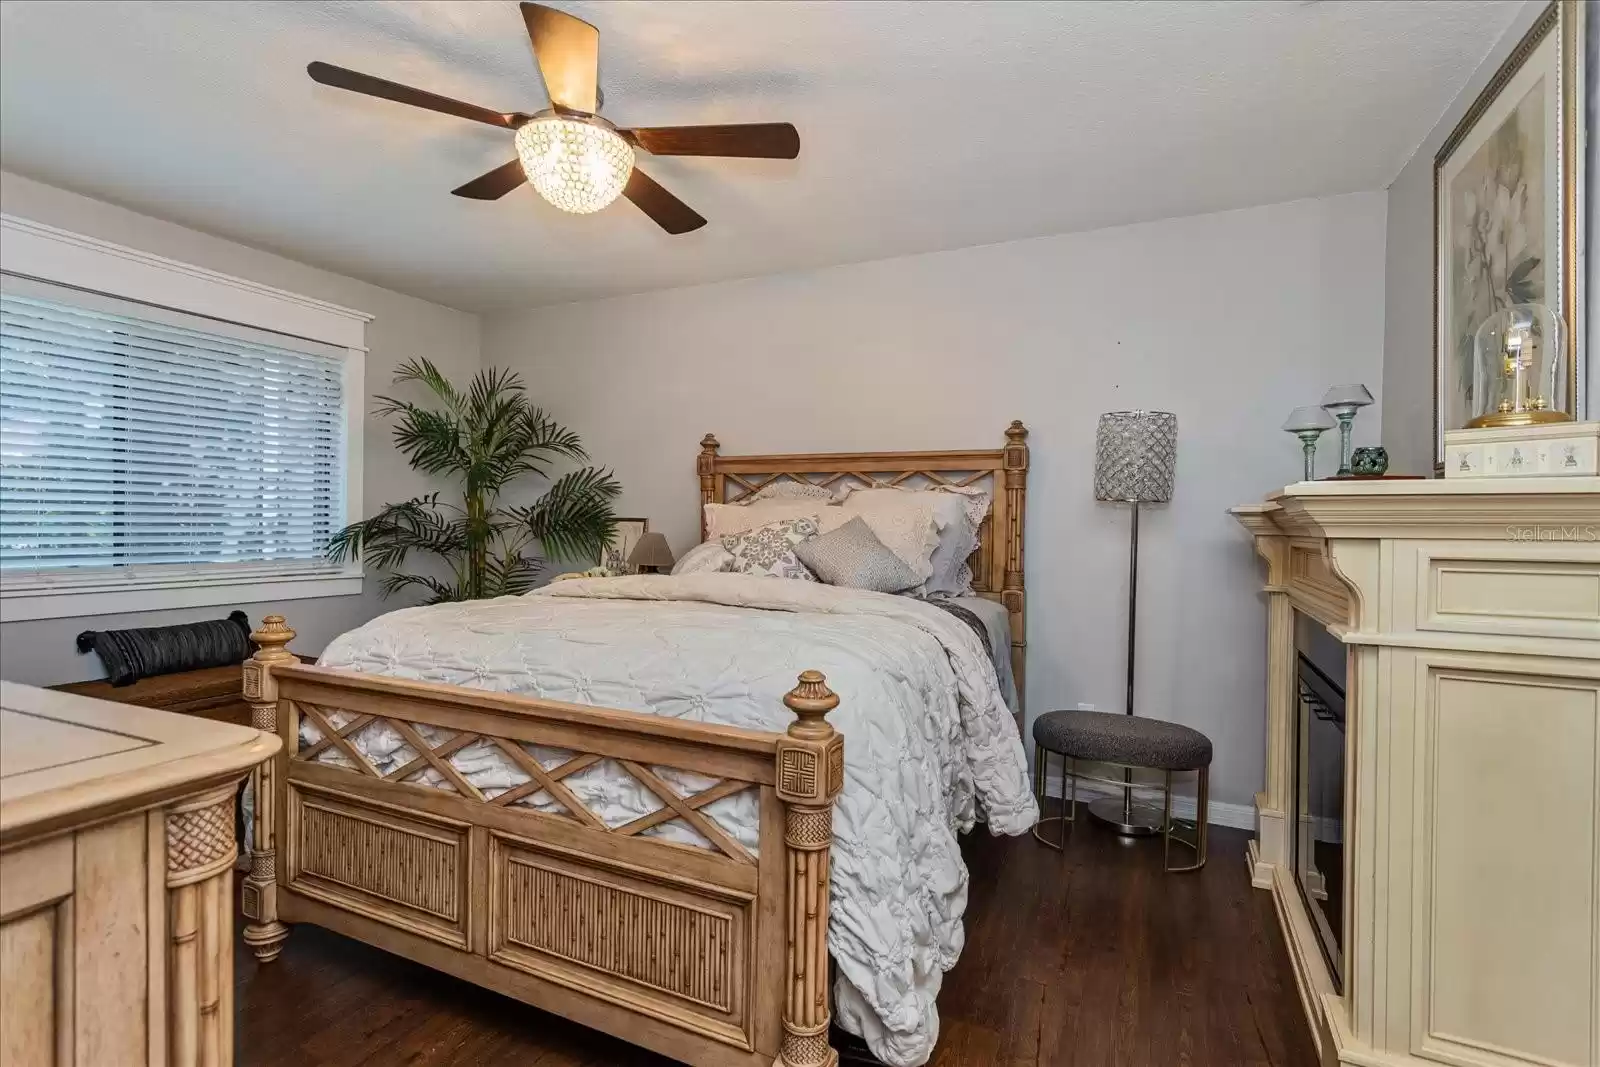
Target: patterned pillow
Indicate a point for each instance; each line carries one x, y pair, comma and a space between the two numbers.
769, 550
852, 556
903, 521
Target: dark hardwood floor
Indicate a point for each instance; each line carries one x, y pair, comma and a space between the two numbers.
1092, 958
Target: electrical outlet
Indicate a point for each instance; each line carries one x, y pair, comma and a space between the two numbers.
1086, 707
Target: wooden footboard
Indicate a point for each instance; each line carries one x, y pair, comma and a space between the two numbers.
714, 955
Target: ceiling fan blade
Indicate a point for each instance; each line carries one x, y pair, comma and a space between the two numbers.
568, 51
495, 184
670, 213
356, 82
759, 140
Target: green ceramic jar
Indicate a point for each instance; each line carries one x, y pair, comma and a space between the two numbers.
1369, 460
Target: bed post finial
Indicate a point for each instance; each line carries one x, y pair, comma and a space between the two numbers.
706, 466
259, 897
810, 776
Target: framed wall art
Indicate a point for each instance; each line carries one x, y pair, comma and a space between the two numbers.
615, 555
1509, 210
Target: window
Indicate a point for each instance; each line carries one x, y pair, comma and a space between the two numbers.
155, 458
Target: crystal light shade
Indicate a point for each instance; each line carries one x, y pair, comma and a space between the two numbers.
1519, 368
1135, 454
579, 166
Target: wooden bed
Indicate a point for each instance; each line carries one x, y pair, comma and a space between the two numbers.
713, 956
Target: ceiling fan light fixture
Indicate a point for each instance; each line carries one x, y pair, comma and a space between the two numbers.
579, 165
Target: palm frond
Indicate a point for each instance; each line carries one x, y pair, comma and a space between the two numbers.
574, 520
423, 370
441, 593
546, 435
431, 440
395, 528
511, 575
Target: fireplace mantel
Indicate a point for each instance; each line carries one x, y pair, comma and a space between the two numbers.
1470, 612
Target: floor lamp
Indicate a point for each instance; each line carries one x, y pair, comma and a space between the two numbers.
1135, 453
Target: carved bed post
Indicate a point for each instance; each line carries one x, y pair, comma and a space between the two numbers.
200, 856
810, 775
259, 898
706, 465
1013, 595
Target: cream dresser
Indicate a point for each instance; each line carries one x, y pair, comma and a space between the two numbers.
116, 876
1467, 911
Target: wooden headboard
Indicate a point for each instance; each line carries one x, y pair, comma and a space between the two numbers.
996, 565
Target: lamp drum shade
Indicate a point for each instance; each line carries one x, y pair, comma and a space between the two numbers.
651, 553
1135, 456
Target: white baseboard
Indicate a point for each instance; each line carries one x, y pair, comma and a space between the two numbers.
1237, 816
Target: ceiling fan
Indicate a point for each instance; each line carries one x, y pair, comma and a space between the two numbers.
574, 158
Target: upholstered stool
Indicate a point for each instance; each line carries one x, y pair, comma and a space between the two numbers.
1125, 741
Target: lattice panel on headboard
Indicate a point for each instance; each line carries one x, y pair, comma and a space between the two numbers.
997, 565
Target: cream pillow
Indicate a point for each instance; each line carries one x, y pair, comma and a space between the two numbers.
723, 520
903, 521
959, 517
788, 489
707, 558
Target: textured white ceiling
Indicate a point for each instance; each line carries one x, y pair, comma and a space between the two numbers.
923, 125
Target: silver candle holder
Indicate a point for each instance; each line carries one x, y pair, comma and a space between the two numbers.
1342, 402
1308, 423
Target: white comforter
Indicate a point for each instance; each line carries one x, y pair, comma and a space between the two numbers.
930, 746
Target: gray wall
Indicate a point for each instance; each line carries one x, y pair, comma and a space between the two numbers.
1408, 277
1228, 319
42, 652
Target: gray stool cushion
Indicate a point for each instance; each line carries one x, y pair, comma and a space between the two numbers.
1111, 738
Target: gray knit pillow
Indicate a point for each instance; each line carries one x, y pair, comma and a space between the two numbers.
852, 556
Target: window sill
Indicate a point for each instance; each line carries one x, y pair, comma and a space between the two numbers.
113, 598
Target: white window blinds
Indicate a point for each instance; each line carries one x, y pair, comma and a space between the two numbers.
137, 442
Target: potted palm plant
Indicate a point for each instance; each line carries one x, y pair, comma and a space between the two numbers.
488, 437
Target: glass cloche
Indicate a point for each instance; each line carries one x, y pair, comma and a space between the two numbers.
1519, 373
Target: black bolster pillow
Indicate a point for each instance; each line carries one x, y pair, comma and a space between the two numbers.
129, 655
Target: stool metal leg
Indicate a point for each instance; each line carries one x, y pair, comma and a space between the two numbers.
1201, 811
1072, 797
1166, 821
1041, 763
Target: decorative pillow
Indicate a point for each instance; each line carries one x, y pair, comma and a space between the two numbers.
852, 556
706, 558
957, 512
725, 519
902, 520
769, 550
958, 539
788, 489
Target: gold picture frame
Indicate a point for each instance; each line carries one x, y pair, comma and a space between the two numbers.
1508, 209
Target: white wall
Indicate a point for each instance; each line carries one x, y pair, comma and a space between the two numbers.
42, 652
1229, 320
1408, 276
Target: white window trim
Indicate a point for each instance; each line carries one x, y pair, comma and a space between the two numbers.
35, 250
